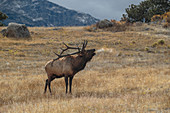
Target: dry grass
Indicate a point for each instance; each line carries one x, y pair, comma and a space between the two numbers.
122, 77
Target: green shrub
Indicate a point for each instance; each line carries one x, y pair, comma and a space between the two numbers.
161, 42
154, 44
146, 49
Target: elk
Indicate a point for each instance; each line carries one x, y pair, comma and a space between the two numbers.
67, 65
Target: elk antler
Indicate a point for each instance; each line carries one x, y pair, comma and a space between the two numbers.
63, 50
67, 47
84, 45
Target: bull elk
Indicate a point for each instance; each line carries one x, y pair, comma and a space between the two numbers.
67, 65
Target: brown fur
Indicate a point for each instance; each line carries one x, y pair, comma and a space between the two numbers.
67, 67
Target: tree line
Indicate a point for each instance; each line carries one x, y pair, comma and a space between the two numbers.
146, 10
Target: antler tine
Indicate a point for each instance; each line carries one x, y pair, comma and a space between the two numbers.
65, 44
68, 47
78, 47
84, 45
57, 54
62, 51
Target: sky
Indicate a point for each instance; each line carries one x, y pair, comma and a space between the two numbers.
100, 9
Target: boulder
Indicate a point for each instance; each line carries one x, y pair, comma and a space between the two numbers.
17, 31
104, 24
3, 32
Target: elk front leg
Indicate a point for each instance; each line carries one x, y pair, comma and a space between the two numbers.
70, 82
66, 82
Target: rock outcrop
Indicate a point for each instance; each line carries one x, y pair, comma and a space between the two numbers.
15, 30
104, 24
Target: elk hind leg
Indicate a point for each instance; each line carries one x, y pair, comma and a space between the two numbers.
50, 79
46, 83
49, 84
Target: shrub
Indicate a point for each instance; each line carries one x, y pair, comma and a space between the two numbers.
117, 26
91, 28
154, 44
161, 42
146, 49
166, 17
2, 17
166, 25
156, 19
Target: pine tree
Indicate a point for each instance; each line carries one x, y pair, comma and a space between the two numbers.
146, 9
2, 17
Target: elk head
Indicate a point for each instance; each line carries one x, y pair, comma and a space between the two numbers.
87, 54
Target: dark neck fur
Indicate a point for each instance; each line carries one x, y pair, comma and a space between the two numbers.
80, 66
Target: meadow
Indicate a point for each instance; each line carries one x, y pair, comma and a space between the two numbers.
129, 74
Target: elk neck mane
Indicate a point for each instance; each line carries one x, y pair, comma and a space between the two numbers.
78, 63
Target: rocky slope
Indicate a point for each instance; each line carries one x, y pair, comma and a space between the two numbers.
43, 13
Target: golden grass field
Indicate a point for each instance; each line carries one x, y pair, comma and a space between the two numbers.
129, 74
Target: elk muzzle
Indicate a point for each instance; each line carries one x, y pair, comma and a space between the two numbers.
94, 52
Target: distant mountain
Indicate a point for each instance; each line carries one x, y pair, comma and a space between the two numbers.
43, 13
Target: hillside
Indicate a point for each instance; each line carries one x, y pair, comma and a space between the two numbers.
130, 72
43, 13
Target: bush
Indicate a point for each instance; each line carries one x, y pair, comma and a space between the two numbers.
2, 17
167, 24
91, 28
161, 42
166, 17
154, 44
117, 26
156, 19
146, 49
